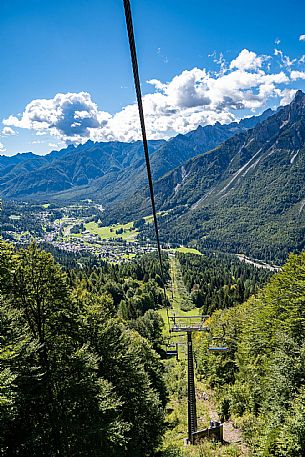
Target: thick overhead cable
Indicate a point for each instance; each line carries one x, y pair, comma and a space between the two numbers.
135, 69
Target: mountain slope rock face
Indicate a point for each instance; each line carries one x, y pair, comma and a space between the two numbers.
108, 172
246, 194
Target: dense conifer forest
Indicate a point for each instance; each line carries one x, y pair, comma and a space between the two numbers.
219, 281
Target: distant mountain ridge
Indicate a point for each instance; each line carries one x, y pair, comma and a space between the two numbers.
108, 172
69, 168
246, 195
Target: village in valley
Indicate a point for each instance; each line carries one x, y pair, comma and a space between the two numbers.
75, 228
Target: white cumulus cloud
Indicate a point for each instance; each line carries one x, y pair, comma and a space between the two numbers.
7, 131
247, 60
302, 37
294, 75
68, 116
285, 61
286, 96
2, 148
55, 145
194, 97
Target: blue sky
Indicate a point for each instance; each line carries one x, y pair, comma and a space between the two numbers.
79, 50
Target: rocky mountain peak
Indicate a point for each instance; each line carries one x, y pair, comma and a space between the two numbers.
297, 106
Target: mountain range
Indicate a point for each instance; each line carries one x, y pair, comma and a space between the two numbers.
246, 195
107, 172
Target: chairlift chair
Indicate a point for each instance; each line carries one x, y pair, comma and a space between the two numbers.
172, 352
218, 349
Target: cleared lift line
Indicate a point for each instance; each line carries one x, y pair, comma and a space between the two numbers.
192, 416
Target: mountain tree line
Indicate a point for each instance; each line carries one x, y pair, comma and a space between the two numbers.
81, 372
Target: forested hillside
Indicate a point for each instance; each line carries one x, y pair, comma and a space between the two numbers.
219, 281
71, 169
76, 378
260, 383
82, 351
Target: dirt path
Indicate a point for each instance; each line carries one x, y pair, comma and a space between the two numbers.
231, 434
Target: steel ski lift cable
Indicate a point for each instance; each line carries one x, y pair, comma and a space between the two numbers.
135, 69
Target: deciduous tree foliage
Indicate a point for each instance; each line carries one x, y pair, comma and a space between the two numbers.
261, 381
75, 379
